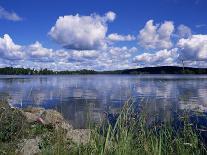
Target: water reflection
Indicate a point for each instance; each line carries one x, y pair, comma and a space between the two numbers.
77, 96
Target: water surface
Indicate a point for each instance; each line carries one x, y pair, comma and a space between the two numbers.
77, 95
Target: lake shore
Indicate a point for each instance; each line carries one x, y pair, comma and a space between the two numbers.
41, 131
27, 131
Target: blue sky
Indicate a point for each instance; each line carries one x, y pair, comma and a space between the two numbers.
104, 35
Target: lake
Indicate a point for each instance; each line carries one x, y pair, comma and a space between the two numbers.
76, 96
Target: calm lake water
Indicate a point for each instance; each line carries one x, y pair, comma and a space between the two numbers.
75, 96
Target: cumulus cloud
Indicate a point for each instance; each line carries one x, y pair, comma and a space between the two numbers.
81, 56
156, 36
110, 16
88, 54
81, 32
104, 59
121, 52
4, 14
193, 48
162, 57
37, 56
37, 52
115, 58
184, 31
14, 52
118, 37
9, 50
86, 46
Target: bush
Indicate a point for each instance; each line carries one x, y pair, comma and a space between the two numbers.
12, 124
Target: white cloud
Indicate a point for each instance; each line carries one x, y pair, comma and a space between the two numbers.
9, 50
121, 52
88, 47
37, 56
156, 36
193, 48
81, 32
162, 57
37, 52
85, 55
4, 14
88, 54
115, 58
14, 52
118, 37
110, 16
184, 31
110, 58
104, 59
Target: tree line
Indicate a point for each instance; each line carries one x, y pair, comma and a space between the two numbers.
145, 70
28, 71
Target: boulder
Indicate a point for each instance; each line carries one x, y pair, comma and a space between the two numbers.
52, 117
79, 136
30, 147
32, 114
46, 117
30, 117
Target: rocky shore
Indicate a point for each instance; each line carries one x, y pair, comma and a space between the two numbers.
29, 131
40, 131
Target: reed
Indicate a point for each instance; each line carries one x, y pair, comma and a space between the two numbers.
132, 134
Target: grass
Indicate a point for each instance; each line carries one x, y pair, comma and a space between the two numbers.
130, 134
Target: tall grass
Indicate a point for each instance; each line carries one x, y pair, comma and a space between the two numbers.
132, 134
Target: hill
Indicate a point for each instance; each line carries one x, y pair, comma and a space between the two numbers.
164, 70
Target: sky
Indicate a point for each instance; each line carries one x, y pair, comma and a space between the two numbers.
102, 35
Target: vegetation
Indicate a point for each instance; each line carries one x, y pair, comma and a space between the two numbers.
11, 128
146, 70
14, 129
130, 134
165, 70
28, 71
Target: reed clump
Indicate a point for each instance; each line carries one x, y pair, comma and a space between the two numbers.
132, 134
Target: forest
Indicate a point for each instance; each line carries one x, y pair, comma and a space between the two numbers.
145, 70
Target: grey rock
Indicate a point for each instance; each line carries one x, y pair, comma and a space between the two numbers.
30, 147
55, 118
79, 136
32, 114
46, 117
52, 117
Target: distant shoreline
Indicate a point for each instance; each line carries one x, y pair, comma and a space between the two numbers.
144, 70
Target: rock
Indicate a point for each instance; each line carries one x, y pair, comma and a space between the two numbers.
46, 117
52, 117
30, 147
79, 136
32, 114
30, 117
